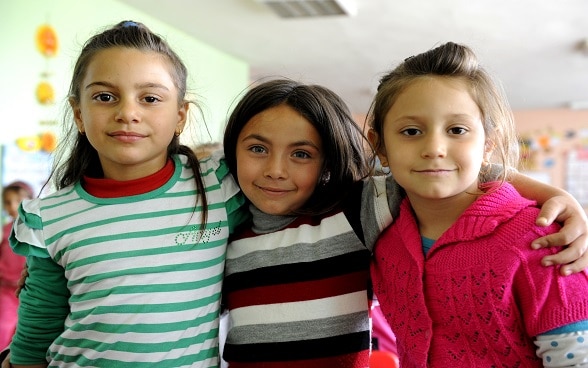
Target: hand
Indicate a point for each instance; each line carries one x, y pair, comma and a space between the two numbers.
6, 362
21, 281
574, 233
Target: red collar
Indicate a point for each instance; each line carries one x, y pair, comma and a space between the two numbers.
110, 188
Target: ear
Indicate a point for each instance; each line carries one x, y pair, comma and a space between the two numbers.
77, 114
182, 116
379, 146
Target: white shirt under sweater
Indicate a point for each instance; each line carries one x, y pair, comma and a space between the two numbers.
144, 280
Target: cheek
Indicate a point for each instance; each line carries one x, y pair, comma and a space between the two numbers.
309, 181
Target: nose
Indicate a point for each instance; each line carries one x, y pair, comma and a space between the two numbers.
276, 167
128, 111
435, 146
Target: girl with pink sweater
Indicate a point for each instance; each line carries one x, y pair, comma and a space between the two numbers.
455, 274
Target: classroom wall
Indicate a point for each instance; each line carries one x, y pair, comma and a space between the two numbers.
554, 147
215, 77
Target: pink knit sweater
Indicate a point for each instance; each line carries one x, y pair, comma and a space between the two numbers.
481, 294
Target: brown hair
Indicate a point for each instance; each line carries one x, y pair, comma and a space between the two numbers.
342, 139
452, 60
75, 156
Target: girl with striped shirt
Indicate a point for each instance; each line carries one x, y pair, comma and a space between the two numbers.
126, 258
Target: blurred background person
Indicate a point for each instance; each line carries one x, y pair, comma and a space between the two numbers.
11, 264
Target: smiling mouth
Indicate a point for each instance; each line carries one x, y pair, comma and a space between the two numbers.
272, 190
128, 137
434, 171
125, 134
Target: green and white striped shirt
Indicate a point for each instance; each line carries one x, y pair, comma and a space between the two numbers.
126, 282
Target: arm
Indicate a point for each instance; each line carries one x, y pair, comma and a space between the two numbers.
42, 312
558, 205
566, 349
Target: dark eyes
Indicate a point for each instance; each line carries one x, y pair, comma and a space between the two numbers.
411, 131
104, 97
301, 154
458, 130
107, 97
453, 131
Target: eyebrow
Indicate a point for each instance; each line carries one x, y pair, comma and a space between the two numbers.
294, 144
418, 117
139, 86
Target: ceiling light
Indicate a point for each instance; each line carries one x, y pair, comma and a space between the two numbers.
311, 8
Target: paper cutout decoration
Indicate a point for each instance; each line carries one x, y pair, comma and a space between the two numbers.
45, 93
46, 40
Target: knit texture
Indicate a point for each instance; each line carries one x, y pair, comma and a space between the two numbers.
481, 294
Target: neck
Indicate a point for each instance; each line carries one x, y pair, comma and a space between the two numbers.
435, 216
264, 223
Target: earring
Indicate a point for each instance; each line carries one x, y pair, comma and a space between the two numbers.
382, 166
82, 132
178, 132
325, 178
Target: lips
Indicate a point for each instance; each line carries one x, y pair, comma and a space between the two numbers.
275, 190
126, 136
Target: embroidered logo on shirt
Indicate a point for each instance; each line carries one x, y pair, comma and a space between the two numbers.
196, 235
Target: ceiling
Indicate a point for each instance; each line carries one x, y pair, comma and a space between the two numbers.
532, 46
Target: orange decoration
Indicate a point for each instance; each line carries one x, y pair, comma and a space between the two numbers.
45, 94
46, 40
48, 141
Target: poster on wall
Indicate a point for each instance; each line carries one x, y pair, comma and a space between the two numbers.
577, 175
32, 167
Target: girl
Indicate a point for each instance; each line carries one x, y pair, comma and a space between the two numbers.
11, 264
126, 259
455, 276
296, 277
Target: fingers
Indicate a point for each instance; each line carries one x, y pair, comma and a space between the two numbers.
573, 259
551, 209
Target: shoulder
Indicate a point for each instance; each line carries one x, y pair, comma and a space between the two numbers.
215, 166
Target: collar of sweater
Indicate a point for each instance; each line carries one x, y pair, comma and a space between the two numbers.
264, 223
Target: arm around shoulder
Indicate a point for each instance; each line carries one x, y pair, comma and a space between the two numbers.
558, 205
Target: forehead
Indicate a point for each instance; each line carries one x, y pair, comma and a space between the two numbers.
438, 93
129, 63
282, 124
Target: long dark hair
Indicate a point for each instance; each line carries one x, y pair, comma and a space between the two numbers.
75, 156
342, 139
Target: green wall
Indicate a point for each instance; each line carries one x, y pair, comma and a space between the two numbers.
215, 78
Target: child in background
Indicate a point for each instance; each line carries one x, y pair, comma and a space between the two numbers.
11, 264
455, 274
296, 277
126, 259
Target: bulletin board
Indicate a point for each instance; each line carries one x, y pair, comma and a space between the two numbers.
32, 167
577, 175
